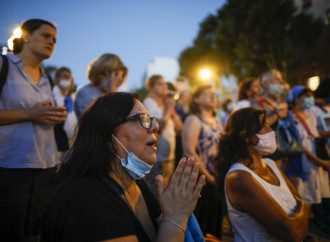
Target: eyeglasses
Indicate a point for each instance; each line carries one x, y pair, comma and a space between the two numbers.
144, 119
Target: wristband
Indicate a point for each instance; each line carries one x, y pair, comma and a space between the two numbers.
175, 223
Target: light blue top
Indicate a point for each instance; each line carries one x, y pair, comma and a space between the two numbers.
25, 144
85, 96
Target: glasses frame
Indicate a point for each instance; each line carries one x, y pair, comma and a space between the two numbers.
138, 117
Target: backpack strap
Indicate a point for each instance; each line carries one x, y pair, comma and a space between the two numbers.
3, 72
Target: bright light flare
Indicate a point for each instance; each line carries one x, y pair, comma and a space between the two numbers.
205, 74
10, 43
313, 82
17, 33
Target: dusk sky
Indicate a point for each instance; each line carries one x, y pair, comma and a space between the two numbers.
136, 30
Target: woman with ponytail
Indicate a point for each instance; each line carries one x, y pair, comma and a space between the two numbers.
262, 204
28, 152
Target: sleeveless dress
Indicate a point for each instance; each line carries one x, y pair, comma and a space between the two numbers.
208, 210
245, 227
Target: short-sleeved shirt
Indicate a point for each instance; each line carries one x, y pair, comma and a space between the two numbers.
91, 210
25, 144
85, 96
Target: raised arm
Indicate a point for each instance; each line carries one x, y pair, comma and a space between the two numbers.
247, 195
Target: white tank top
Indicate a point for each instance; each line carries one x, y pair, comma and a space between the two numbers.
247, 228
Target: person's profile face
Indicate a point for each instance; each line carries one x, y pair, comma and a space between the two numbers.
42, 41
136, 139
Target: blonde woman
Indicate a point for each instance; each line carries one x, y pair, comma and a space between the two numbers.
106, 73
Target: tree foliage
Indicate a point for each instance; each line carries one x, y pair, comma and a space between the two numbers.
247, 37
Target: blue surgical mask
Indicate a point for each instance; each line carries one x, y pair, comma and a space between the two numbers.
308, 102
275, 89
134, 166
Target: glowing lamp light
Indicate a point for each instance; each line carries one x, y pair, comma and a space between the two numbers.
17, 32
205, 74
10, 43
313, 82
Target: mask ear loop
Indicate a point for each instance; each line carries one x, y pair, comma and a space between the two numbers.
120, 145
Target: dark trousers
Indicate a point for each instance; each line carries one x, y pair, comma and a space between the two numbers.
22, 196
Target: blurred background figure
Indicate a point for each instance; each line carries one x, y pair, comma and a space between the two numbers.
200, 137
321, 107
106, 73
63, 94
162, 106
274, 88
182, 110
28, 151
249, 92
227, 108
182, 106
312, 181
262, 204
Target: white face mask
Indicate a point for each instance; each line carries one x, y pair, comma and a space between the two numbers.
266, 144
64, 83
276, 89
106, 85
134, 166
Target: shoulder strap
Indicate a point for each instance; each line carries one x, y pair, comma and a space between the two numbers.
303, 123
3, 72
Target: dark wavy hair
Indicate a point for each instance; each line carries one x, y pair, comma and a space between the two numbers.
91, 154
241, 126
244, 85
194, 107
29, 26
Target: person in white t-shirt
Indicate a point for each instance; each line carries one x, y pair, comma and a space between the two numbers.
63, 90
160, 106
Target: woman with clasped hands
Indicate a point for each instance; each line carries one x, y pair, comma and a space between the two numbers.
100, 194
28, 152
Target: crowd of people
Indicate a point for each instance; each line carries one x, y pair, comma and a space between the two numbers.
95, 164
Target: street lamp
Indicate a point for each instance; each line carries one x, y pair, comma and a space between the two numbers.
205, 74
313, 82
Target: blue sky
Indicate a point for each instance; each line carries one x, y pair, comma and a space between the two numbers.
137, 30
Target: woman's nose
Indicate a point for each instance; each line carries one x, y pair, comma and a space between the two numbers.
154, 127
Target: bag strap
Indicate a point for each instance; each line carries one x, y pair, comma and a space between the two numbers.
303, 123
3, 72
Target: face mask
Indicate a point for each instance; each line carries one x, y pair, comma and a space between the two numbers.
64, 83
106, 85
275, 89
266, 144
134, 166
230, 107
308, 102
